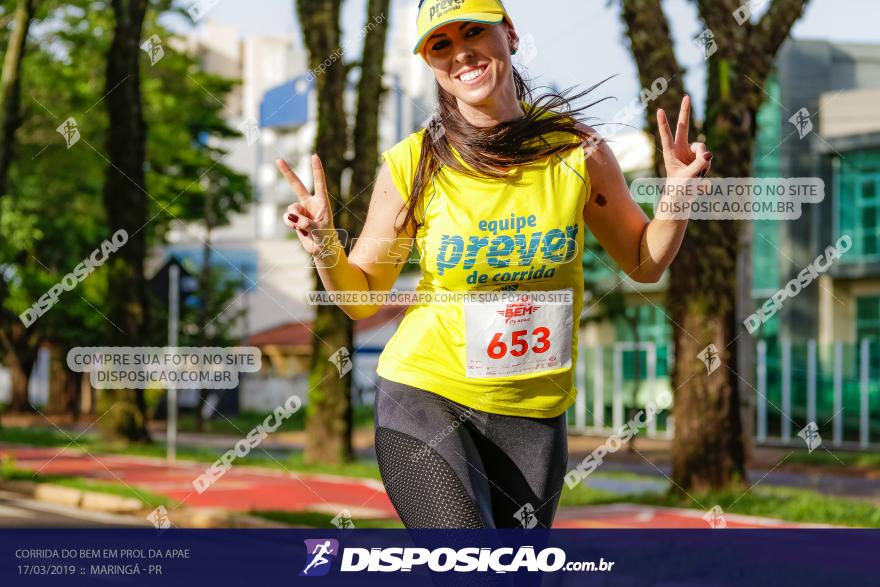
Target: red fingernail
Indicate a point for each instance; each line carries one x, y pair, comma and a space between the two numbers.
293, 217
303, 232
707, 156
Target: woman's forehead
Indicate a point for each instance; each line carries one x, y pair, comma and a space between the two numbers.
450, 28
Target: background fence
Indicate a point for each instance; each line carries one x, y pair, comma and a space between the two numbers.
835, 385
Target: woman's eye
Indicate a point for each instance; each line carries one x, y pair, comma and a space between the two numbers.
439, 45
474, 31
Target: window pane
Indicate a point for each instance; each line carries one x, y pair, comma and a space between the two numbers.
869, 189
867, 308
869, 218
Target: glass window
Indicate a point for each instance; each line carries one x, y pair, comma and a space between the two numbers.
867, 317
765, 255
869, 189
238, 265
766, 163
858, 205
868, 326
652, 324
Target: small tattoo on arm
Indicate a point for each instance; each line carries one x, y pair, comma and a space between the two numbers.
600, 200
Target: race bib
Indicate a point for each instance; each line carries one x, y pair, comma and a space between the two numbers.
513, 333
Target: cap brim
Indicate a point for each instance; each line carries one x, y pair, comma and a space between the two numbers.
484, 17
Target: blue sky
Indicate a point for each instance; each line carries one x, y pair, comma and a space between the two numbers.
580, 42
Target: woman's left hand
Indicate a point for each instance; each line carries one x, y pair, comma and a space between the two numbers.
683, 160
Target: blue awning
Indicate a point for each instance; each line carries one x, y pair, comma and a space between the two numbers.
287, 105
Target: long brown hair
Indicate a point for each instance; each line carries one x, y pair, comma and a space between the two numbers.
489, 151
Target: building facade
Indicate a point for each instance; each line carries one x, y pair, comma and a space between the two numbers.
818, 357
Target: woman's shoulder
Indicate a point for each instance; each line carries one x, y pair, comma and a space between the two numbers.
408, 147
402, 161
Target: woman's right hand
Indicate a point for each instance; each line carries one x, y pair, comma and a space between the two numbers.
312, 216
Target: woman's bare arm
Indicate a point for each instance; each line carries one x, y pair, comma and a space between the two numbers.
643, 248
378, 254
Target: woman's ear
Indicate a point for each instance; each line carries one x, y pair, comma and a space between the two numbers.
513, 40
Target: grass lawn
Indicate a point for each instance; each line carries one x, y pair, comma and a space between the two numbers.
859, 460
92, 442
240, 424
783, 503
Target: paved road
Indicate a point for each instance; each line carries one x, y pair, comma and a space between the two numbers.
845, 486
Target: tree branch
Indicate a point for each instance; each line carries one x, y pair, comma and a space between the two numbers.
770, 32
653, 49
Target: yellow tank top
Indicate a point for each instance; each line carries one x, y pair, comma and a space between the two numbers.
489, 234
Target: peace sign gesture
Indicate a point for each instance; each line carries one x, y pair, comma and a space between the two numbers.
312, 216
682, 160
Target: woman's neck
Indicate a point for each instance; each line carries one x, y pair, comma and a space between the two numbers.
490, 113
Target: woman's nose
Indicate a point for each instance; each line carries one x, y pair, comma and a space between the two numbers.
464, 53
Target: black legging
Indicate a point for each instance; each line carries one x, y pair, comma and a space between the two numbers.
445, 465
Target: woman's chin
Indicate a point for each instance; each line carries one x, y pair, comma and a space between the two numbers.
476, 96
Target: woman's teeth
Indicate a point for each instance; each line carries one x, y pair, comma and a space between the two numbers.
472, 75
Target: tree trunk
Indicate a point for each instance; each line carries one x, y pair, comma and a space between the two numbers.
708, 447
654, 53
20, 360
63, 391
125, 201
10, 87
366, 130
20, 347
20, 371
328, 419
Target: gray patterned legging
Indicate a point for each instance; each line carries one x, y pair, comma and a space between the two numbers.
445, 465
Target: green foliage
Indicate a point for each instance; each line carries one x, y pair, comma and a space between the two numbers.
94, 444
53, 217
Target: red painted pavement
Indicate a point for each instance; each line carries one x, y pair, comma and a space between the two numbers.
250, 488
239, 489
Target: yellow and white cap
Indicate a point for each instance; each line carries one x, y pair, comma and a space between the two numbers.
433, 14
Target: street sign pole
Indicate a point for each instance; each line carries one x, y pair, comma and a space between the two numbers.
173, 318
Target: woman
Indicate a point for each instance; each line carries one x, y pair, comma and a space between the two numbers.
470, 412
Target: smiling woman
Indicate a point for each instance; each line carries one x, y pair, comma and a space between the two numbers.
496, 193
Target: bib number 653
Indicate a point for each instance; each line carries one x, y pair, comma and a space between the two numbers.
519, 345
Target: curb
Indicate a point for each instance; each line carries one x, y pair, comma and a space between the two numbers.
114, 504
207, 518
93, 501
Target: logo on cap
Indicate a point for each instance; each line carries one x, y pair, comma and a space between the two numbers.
443, 7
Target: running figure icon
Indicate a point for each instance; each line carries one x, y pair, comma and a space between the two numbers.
319, 556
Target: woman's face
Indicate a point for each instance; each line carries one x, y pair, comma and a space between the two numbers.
471, 60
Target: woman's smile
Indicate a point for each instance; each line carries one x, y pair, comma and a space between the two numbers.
474, 76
